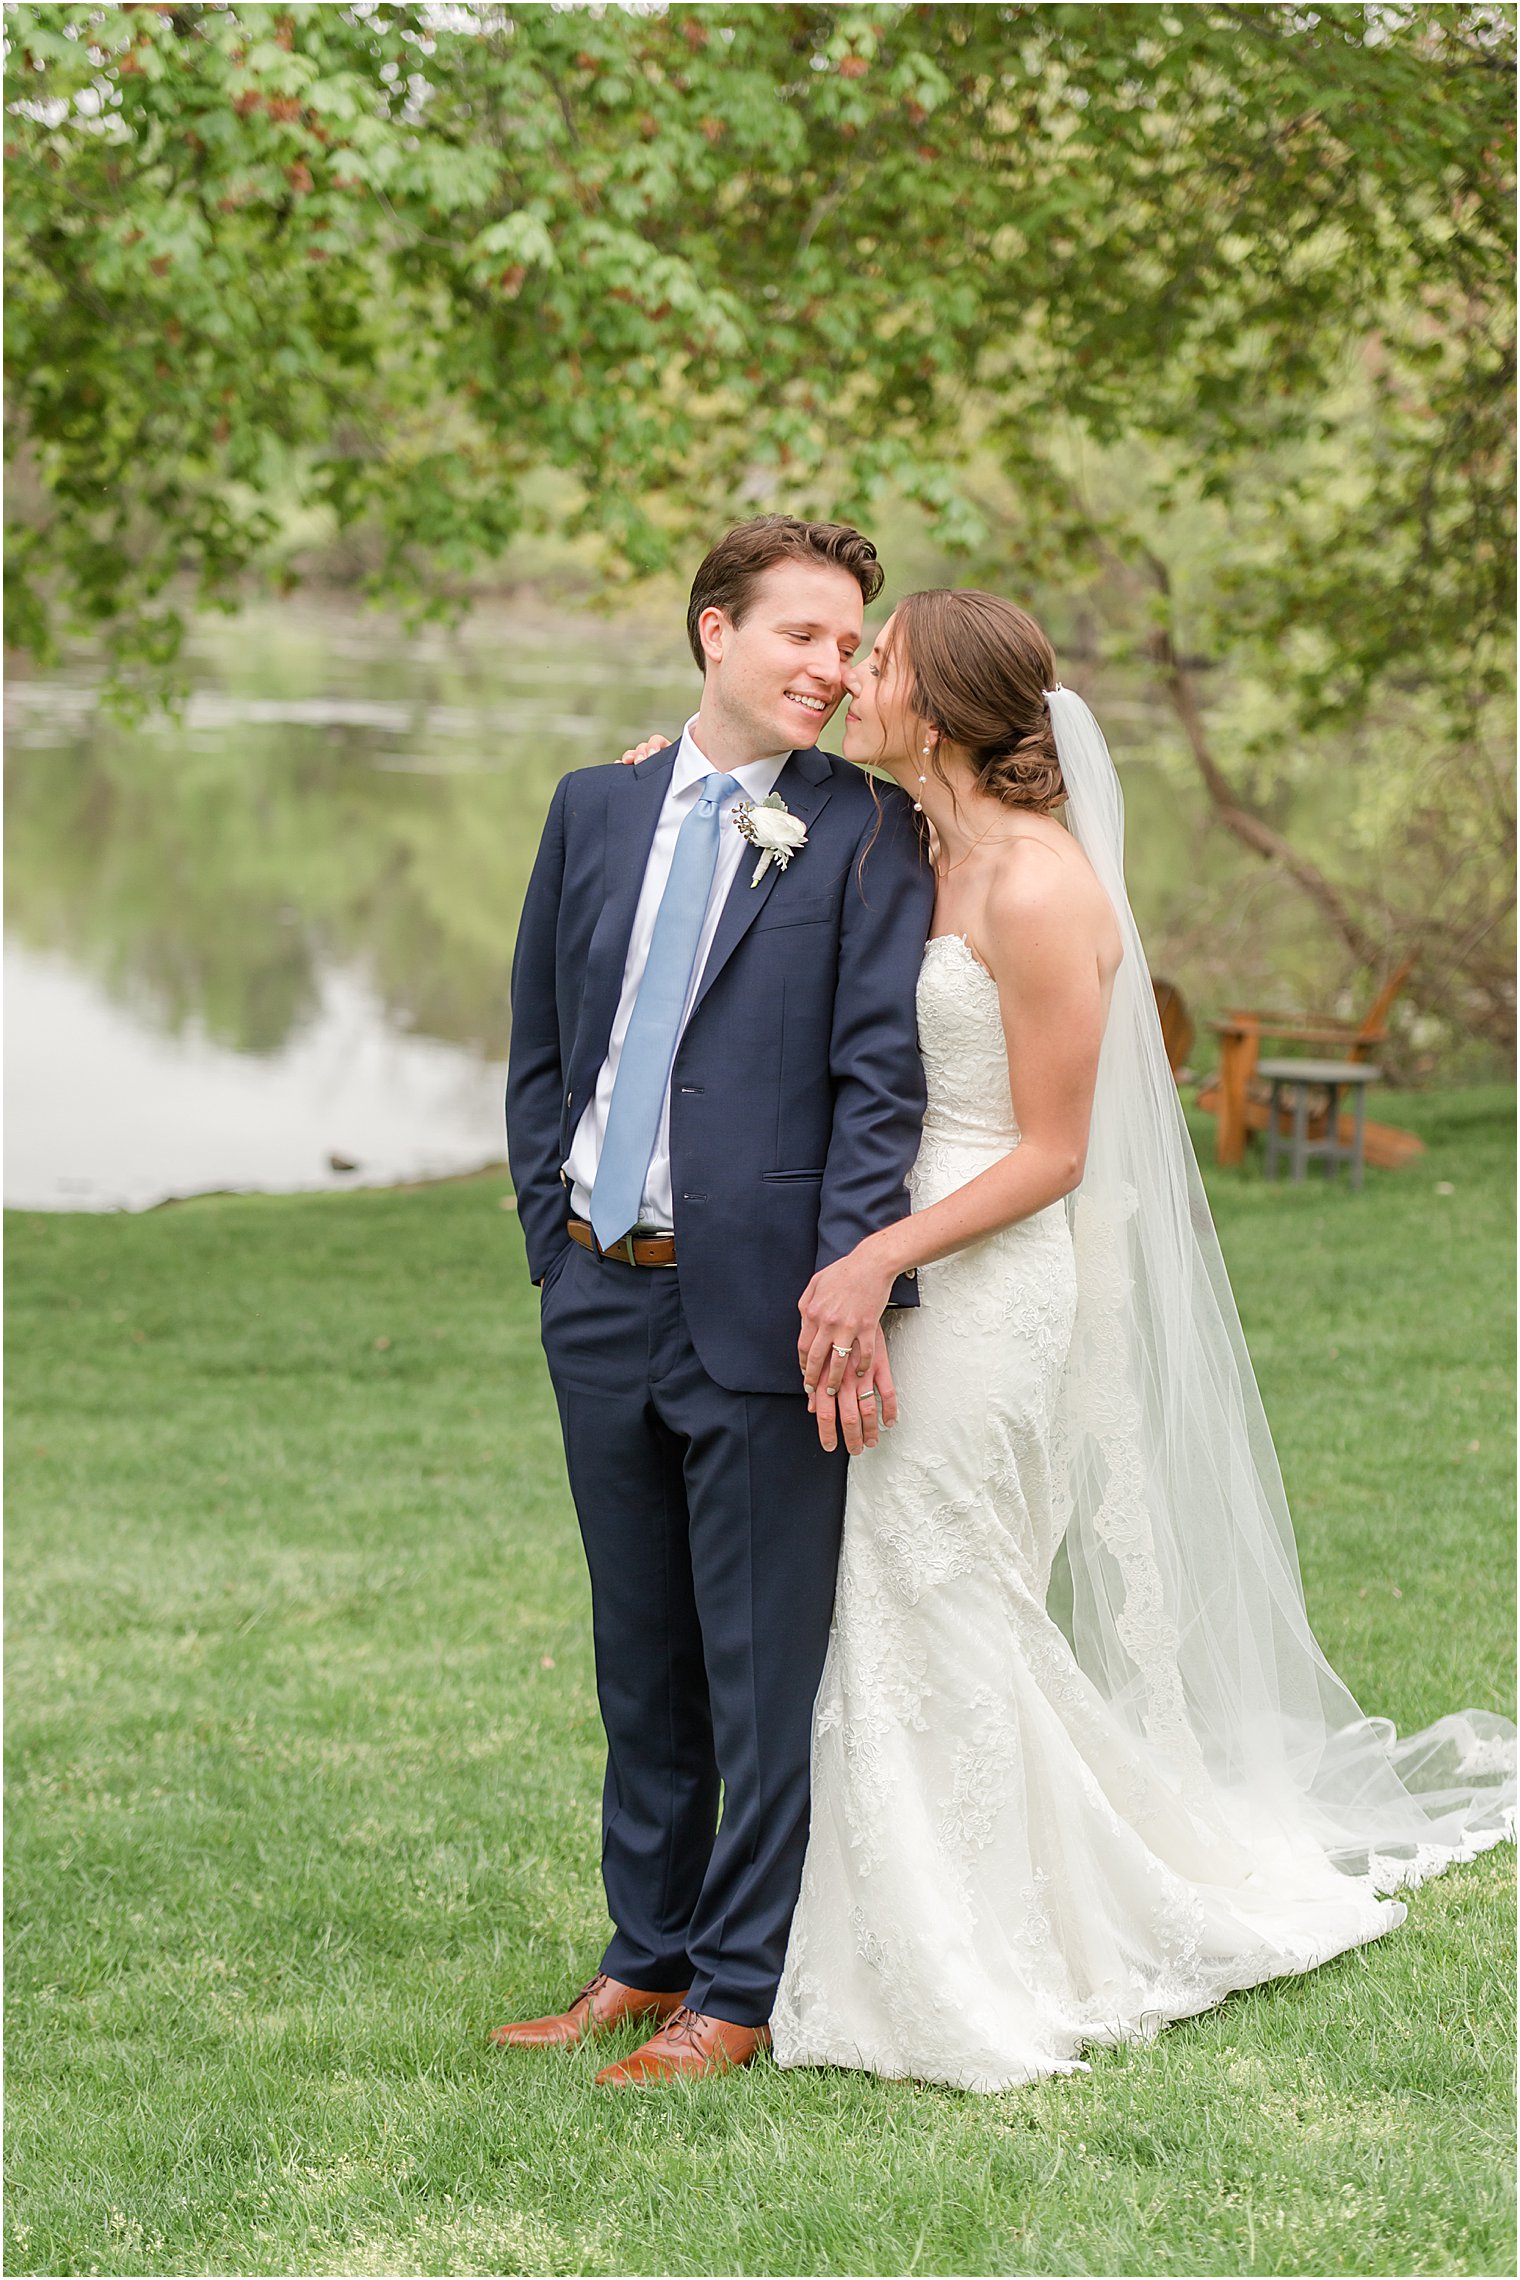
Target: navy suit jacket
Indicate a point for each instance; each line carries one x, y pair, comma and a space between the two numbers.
797, 1093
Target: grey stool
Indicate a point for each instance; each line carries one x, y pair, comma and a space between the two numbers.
1296, 1080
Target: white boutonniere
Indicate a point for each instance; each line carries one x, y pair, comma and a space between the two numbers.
770, 825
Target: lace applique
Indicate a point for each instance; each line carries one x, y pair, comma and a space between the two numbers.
1109, 1409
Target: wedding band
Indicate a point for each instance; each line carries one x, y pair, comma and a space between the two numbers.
865, 1397
843, 1350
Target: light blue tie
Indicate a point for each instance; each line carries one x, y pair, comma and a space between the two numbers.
638, 1092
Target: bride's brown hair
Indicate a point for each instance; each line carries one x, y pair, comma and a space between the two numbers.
978, 668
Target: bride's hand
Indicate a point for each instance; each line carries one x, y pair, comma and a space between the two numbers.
860, 1409
842, 1355
642, 751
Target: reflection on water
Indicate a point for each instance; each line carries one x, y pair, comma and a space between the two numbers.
279, 928
103, 1108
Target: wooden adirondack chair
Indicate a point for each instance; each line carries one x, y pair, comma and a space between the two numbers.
1177, 1031
1242, 1108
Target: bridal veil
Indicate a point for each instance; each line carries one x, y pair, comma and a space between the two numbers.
1187, 1608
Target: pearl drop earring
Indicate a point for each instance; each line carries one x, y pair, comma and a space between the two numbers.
918, 805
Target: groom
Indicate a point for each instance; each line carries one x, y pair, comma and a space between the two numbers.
714, 1089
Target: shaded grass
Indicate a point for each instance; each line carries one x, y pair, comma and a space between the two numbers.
305, 1767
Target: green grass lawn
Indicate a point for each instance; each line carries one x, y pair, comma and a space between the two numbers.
305, 1768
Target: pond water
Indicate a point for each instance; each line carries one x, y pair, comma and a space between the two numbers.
266, 945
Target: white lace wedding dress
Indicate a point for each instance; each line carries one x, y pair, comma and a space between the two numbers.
999, 1870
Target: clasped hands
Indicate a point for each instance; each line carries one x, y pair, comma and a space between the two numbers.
842, 1353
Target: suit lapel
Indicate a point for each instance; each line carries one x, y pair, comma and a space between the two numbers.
634, 799
804, 784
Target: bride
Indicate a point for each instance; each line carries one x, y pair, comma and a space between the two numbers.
1080, 1767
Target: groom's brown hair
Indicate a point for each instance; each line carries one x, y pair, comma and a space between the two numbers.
730, 572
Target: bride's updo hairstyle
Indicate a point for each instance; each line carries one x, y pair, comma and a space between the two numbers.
978, 669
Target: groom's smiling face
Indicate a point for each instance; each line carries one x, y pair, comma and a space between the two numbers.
777, 675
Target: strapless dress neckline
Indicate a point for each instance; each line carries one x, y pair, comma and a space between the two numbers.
961, 943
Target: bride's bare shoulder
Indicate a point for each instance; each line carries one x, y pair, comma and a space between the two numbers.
1038, 864
1043, 879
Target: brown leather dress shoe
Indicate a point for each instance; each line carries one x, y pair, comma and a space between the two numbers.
601, 2005
691, 2043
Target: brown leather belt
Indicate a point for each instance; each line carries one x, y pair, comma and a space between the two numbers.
632, 1250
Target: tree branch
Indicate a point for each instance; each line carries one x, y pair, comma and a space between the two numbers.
1236, 814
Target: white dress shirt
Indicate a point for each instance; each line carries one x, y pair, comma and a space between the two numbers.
756, 779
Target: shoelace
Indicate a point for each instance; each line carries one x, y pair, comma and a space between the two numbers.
592, 1988
683, 2026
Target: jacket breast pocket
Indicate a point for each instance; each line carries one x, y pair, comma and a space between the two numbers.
779, 912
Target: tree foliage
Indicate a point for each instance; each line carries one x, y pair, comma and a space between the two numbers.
1203, 311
